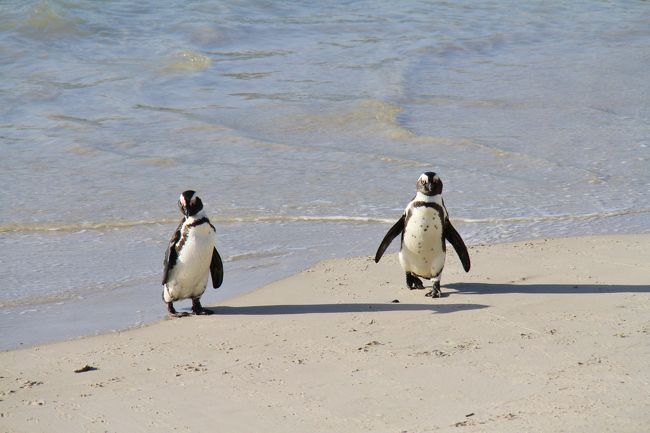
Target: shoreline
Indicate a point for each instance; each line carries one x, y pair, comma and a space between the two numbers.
543, 335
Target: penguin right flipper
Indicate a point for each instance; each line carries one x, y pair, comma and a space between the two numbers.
394, 231
171, 255
216, 269
454, 238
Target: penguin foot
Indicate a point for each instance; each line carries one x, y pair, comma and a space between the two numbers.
413, 282
202, 312
198, 309
178, 315
435, 291
172, 311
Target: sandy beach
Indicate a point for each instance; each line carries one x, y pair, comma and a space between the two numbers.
541, 336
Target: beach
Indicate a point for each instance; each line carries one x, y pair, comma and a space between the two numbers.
303, 128
549, 335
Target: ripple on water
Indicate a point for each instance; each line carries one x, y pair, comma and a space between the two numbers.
187, 61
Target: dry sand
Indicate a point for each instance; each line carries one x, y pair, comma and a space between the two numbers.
542, 336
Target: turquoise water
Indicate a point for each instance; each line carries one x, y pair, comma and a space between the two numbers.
303, 125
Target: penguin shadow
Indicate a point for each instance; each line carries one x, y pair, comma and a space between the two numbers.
260, 310
568, 289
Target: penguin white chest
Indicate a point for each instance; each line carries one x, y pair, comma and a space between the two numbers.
190, 274
423, 248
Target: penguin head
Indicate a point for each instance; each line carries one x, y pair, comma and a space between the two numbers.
429, 184
189, 203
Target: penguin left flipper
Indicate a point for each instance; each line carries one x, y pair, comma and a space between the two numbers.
171, 254
454, 238
216, 269
394, 231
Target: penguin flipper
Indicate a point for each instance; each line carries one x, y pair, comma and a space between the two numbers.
216, 269
394, 231
171, 255
454, 238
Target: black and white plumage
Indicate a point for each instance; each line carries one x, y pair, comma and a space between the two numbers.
190, 256
424, 226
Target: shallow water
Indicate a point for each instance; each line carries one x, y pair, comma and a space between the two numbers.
304, 127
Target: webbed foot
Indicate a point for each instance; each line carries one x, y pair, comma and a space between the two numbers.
198, 309
172, 311
435, 291
413, 282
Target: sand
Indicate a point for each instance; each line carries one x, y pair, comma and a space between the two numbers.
543, 336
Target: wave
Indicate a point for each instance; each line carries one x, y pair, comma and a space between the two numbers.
187, 61
369, 117
560, 217
43, 19
112, 225
254, 255
249, 54
76, 227
70, 294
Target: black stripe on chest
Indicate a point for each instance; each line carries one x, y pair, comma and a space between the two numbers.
186, 230
417, 204
426, 204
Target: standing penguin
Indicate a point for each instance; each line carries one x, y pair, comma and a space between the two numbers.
424, 227
191, 254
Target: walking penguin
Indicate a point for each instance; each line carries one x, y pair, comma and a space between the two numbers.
190, 256
424, 227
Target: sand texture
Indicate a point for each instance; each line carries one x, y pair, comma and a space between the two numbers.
542, 336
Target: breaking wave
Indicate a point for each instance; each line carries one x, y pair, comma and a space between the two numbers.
544, 218
116, 225
188, 61
70, 293
112, 225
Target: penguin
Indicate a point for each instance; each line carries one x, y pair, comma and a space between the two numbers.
190, 256
424, 226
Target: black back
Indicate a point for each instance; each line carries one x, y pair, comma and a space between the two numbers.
171, 255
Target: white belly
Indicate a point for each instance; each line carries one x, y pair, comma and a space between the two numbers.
422, 250
189, 276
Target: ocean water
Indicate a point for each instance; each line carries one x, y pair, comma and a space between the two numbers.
303, 126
